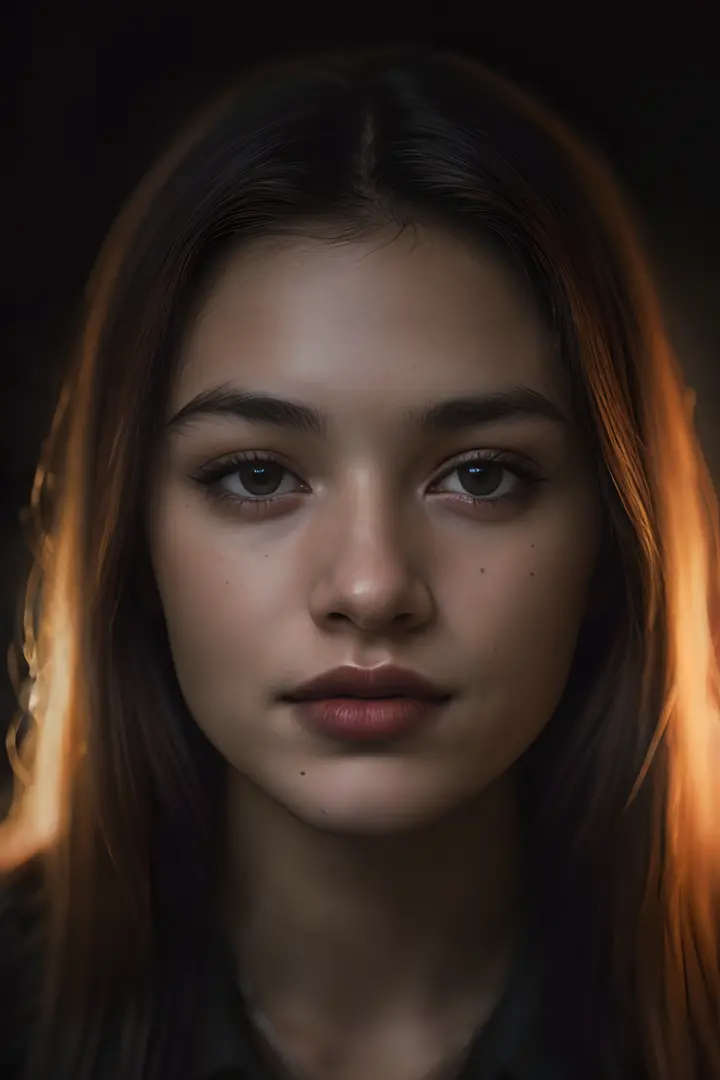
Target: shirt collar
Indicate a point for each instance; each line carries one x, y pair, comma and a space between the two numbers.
508, 1047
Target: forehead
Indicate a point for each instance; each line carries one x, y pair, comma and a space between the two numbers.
397, 318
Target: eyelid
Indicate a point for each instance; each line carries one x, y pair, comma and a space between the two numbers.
516, 463
223, 465
211, 474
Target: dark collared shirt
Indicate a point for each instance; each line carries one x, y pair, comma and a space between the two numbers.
512, 1045
509, 1047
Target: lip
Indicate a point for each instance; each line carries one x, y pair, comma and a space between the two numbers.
363, 720
384, 681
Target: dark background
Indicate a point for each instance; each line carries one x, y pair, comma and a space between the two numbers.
95, 92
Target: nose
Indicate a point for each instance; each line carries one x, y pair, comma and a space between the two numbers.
369, 571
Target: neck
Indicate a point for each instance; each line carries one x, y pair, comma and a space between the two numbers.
357, 928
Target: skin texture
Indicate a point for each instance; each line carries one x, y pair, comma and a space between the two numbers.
372, 552
367, 567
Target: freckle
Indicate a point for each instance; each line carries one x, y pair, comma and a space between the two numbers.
532, 545
532, 573
482, 569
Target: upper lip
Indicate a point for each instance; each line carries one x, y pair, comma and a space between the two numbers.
375, 682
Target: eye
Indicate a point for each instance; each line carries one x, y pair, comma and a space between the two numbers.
260, 479
487, 478
250, 477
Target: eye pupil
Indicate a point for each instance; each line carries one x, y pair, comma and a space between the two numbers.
480, 478
261, 478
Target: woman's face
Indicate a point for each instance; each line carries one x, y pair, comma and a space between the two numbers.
365, 525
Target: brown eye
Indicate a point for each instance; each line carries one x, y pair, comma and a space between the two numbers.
484, 480
481, 478
260, 479
250, 479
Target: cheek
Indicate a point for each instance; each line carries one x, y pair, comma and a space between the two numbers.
518, 607
219, 597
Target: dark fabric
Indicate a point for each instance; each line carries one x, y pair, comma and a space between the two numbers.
513, 1045
509, 1047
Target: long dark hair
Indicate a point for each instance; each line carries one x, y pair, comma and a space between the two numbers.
117, 799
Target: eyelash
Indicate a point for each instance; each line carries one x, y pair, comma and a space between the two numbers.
210, 477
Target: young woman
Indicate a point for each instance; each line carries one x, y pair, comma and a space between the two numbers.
373, 681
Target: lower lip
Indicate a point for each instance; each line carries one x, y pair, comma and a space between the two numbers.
367, 719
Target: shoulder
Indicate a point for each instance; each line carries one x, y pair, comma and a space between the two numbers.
20, 959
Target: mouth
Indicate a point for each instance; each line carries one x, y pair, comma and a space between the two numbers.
368, 704
385, 683
363, 720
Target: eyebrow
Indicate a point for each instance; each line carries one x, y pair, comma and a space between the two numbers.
454, 414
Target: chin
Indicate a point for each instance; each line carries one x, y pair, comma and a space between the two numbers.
374, 808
